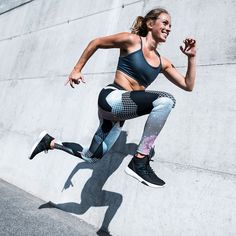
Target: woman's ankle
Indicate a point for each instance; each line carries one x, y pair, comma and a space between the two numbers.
52, 144
139, 155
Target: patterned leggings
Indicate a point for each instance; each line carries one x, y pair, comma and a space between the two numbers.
116, 105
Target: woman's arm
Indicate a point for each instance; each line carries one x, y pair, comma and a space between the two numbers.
185, 82
121, 40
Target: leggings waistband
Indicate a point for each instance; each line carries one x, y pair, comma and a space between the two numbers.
115, 85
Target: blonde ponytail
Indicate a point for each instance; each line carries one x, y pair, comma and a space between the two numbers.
139, 26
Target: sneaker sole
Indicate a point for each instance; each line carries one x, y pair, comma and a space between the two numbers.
140, 179
41, 136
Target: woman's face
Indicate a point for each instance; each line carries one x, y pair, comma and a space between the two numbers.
161, 27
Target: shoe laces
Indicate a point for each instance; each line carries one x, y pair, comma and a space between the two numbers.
148, 167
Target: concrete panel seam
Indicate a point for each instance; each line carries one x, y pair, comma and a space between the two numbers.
13, 8
197, 168
211, 64
183, 166
68, 21
51, 76
192, 167
34, 77
97, 73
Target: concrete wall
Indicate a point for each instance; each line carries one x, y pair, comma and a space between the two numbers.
6, 5
195, 153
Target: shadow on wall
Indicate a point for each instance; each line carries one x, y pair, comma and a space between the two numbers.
92, 194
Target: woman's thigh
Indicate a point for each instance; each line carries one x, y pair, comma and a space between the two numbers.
124, 105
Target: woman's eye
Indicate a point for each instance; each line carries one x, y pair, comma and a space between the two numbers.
165, 23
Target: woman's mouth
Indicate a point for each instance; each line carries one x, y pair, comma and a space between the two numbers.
165, 34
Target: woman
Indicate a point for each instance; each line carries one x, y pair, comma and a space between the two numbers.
127, 98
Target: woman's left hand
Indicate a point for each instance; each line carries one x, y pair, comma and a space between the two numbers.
189, 48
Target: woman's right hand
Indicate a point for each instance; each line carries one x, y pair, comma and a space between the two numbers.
75, 77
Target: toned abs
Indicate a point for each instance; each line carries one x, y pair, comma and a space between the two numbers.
127, 82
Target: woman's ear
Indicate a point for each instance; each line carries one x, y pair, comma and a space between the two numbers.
150, 23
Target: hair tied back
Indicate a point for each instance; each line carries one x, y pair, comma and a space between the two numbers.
139, 26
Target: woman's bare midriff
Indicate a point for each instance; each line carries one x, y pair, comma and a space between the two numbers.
127, 82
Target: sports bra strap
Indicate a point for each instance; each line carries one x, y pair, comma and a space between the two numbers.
159, 58
155, 50
158, 54
141, 42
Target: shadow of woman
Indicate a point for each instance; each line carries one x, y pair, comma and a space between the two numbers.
92, 194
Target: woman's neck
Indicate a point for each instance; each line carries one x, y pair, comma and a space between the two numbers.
151, 44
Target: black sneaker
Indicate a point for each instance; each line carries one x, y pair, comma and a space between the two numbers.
43, 144
142, 171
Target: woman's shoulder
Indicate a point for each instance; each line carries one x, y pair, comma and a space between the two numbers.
166, 63
130, 37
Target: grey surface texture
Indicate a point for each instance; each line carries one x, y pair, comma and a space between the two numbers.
9, 5
20, 215
41, 41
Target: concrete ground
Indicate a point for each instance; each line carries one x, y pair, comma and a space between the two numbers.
40, 42
20, 215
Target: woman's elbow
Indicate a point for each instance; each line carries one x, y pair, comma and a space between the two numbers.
189, 88
95, 43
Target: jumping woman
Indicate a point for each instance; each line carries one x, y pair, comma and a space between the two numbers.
127, 98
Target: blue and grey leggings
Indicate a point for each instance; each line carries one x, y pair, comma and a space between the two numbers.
115, 105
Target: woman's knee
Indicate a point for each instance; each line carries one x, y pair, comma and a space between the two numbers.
170, 99
168, 102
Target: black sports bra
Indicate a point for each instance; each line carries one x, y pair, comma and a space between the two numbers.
136, 66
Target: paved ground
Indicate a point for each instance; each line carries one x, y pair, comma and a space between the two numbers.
20, 215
